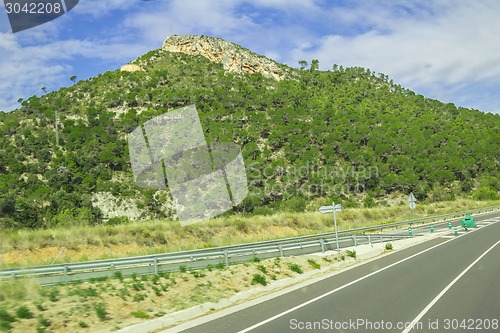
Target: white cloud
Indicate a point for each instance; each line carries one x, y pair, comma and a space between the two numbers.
216, 18
431, 49
98, 8
24, 70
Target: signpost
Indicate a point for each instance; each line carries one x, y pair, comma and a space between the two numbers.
413, 203
334, 208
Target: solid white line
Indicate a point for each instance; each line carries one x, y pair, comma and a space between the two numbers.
248, 329
434, 301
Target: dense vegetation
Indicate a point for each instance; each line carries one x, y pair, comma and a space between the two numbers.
345, 133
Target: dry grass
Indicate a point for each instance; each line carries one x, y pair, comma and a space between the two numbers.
124, 301
29, 247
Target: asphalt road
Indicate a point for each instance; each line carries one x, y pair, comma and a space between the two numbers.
448, 284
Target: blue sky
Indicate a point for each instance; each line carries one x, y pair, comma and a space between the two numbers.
445, 49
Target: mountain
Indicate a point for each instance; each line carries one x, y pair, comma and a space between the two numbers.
306, 136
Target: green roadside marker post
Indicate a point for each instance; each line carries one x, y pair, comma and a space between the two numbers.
456, 231
432, 227
449, 225
410, 231
468, 221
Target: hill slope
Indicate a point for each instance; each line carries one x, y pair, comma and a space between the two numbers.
305, 134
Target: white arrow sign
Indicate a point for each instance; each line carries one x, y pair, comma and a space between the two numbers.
412, 198
325, 209
330, 209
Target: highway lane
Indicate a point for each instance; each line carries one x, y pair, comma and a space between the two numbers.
387, 292
473, 302
439, 226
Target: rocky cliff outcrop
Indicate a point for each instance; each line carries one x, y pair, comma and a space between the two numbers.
130, 68
233, 57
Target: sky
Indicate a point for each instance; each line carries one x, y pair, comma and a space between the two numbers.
445, 49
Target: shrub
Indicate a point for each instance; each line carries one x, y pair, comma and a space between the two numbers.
157, 291
139, 297
23, 312
197, 274
100, 311
351, 254
314, 264
262, 269
260, 279
54, 295
118, 275
485, 193
138, 286
40, 306
388, 247
83, 324
182, 269
140, 314
5, 326
118, 220
44, 322
295, 268
6, 317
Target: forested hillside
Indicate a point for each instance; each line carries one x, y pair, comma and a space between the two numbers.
346, 133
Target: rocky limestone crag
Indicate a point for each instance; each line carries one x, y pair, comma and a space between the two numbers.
130, 68
233, 57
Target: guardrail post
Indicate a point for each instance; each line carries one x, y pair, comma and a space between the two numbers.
226, 258
65, 274
155, 263
322, 243
280, 247
355, 240
369, 240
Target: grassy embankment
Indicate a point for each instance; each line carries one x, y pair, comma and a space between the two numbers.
108, 304
111, 303
30, 247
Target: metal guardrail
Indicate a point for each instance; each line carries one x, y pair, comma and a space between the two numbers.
226, 255
154, 264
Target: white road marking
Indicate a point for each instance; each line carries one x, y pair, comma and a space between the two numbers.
434, 301
248, 329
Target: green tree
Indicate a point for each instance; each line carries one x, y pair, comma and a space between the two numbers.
302, 64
